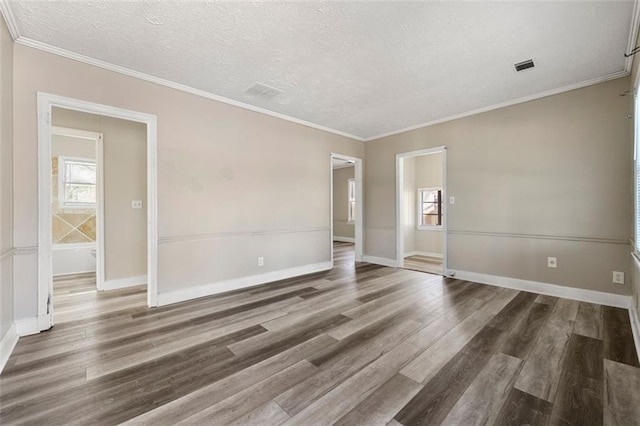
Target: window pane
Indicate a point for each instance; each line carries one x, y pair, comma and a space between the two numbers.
430, 196
77, 172
77, 193
430, 219
352, 189
429, 208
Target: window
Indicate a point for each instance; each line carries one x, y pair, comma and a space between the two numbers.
351, 214
77, 182
429, 207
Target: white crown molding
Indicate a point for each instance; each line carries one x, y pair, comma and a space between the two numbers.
9, 19
13, 29
25, 41
633, 35
517, 101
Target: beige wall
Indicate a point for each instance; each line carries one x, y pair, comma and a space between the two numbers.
428, 175
635, 265
6, 180
125, 180
341, 227
232, 184
424, 171
545, 178
409, 209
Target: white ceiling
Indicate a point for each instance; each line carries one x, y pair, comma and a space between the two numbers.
361, 68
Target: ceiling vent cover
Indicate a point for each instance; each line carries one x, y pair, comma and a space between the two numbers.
263, 91
524, 65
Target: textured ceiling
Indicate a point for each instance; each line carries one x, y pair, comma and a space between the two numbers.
363, 68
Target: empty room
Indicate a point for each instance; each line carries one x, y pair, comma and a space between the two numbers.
318, 213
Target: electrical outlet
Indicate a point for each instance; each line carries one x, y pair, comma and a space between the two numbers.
136, 204
618, 277
261, 261
452, 200
552, 262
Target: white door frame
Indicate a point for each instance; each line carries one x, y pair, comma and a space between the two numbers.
97, 139
357, 174
45, 265
400, 203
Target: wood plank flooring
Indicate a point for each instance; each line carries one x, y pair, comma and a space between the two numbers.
357, 345
428, 264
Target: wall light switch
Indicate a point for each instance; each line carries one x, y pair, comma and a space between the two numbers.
136, 204
452, 200
261, 261
552, 262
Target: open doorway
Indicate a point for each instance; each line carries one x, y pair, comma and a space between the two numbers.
99, 188
421, 210
346, 202
97, 208
77, 211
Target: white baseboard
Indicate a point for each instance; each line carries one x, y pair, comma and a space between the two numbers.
635, 328
75, 273
582, 295
124, 283
27, 326
238, 283
380, 261
423, 253
344, 239
7, 344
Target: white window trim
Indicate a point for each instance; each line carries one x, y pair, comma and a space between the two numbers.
419, 224
351, 192
61, 169
636, 167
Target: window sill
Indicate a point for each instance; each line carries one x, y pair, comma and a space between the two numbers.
429, 228
77, 206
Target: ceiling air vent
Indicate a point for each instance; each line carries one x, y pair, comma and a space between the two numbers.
524, 65
263, 91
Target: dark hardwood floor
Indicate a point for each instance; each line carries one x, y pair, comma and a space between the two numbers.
363, 345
